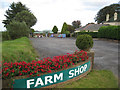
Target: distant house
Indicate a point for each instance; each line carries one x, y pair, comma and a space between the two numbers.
90, 28
79, 29
114, 20
38, 33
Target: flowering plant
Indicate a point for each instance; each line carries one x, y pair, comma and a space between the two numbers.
34, 68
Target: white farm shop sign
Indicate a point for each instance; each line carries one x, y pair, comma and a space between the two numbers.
52, 78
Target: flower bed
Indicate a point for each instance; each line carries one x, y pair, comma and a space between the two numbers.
46, 65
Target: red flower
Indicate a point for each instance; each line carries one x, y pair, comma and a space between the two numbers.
35, 71
44, 65
42, 70
30, 74
49, 71
7, 74
20, 74
19, 67
13, 71
82, 59
6, 68
59, 66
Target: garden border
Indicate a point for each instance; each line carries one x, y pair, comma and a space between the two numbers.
91, 58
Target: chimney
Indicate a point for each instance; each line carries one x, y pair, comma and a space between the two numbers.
107, 17
115, 16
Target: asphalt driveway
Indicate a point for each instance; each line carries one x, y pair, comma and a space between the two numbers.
106, 52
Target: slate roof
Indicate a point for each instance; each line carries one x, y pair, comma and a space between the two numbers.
91, 27
94, 27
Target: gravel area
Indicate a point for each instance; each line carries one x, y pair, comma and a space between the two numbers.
106, 52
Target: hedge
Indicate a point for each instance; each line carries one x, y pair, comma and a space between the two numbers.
93, 34
110, 32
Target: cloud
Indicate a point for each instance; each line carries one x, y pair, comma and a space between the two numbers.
94, 5
56, 12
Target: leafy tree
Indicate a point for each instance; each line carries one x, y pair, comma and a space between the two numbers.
12, 11
18, 29
64, 28
70, 29
101, 15
27, 17
32, 31
5, 36
55, 29
76, 24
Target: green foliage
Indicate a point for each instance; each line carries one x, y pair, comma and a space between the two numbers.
95, 79
67, 33
18, 50
17, 29
12, 11
93, 34
110, 32
27, 17
84, 42
64, 28
101, 15
76, 24
5, 36
71, 29
55, 29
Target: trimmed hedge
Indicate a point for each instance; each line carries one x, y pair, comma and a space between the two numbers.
84, 42
93, 34
110, 32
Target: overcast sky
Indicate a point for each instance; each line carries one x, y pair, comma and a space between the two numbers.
56, 12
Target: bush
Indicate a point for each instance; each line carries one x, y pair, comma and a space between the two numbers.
110, 32
93, 34
84, 42
18, 29
5, 36
55, 29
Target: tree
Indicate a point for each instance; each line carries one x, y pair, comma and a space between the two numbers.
64, 28
27, 17
70, 28
12, 11
76, 24
55, 29
17, 29
101, 15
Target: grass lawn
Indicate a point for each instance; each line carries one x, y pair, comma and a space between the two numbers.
95, 79
18, 50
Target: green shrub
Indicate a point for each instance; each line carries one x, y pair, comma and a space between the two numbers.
55, 29
5, 36
93, 34
84, 42
18, 29
110, 32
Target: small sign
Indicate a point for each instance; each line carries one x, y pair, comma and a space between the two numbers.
52, 78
